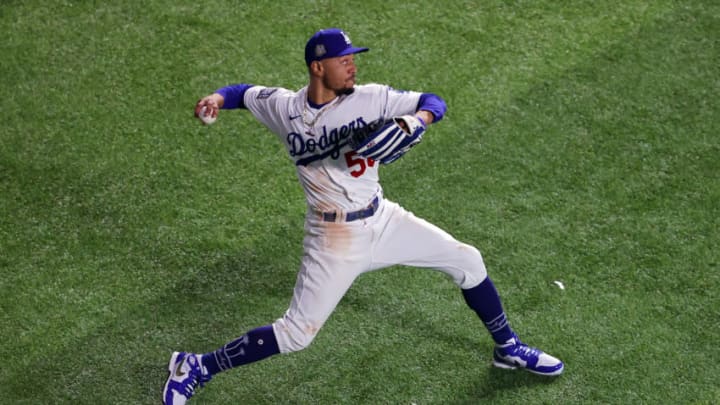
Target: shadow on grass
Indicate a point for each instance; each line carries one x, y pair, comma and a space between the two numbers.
499, 381
124, 356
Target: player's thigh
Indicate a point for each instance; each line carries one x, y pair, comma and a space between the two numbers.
328, 269
413, 241
319, 287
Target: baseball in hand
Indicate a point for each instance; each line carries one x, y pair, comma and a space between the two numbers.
207, 119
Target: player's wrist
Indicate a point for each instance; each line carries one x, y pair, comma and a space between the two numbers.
425, 117
218, 99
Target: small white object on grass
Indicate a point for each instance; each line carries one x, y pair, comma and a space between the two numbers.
207, 119
559, 284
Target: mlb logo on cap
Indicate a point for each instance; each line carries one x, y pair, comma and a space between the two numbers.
329, 43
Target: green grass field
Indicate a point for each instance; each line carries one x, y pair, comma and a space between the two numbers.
582, 144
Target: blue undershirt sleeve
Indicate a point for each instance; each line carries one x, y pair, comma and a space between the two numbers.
234, 95
433, 103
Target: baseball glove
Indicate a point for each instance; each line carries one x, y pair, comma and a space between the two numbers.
386, 141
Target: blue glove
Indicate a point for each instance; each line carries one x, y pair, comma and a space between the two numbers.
386, 142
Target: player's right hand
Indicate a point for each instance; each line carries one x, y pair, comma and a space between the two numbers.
211, 107
212, 104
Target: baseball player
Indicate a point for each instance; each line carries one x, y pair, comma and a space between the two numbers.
350, 228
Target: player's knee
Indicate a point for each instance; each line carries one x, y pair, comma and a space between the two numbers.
293, 336
471, 261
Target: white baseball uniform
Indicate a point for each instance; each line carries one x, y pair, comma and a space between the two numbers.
342, 238
350, 228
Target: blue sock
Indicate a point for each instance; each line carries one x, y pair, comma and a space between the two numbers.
255, 345
484, 300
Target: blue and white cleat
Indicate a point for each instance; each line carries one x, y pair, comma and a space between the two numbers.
515, 353
185, 375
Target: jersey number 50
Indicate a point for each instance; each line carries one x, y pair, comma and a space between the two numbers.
353, 159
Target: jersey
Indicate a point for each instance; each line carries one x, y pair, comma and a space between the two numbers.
339, 184
332, 175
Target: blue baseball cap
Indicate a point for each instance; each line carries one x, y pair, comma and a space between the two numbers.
329, 43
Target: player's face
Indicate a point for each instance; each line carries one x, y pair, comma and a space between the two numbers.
339, 73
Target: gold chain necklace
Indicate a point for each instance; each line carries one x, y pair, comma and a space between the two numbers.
311, 125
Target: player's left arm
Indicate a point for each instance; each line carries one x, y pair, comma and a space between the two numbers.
431, 108
387, 141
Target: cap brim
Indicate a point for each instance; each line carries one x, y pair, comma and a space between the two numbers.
351, 50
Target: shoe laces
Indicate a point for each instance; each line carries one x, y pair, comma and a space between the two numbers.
196, 377
523, 350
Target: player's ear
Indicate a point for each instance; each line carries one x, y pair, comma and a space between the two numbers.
316, 68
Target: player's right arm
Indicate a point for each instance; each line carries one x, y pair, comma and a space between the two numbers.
229, 97
213, 103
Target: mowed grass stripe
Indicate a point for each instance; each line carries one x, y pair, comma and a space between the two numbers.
112, 214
